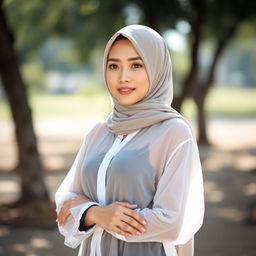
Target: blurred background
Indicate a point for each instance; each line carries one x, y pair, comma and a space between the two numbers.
52, 93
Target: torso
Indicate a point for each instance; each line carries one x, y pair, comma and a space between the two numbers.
132, 175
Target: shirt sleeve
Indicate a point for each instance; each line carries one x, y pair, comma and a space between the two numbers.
70, 187
82, 226
178, 205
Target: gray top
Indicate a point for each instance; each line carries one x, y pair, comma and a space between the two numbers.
159, 170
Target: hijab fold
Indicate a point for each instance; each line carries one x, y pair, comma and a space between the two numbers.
156, 105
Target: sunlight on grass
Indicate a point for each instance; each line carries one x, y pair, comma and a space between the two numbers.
188, 108
60, 105
220, 102
226, 102
232, 102
71, 105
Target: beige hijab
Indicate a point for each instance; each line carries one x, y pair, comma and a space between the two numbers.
155, 107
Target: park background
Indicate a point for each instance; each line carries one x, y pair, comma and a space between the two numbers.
50, 60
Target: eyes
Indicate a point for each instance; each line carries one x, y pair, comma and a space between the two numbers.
113, 66
137, 65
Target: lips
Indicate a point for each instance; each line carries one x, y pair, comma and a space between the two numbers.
125, 90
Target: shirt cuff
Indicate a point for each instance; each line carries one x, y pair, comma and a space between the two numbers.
82, 226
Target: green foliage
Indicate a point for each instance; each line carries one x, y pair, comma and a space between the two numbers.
59, 54
89, 23
34, 20
33, 75
180, 66
64, 34
86, 23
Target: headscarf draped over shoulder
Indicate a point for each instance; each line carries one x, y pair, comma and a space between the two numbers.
156, 106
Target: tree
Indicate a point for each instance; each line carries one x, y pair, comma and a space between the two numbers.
89, 24
29, 163
218, 20
34, 199
231, 14
33, 189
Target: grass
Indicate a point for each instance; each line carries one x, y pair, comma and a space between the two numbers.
221, 101
70, 105
232, 102
63, 105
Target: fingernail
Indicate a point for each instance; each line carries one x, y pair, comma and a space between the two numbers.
138, 233
143, 230
144, 222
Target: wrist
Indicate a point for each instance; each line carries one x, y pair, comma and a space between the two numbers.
90, 217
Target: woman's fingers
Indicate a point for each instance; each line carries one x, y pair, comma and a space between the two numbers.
68, 204
65, 211
128, 205
131, 222
132, 226
65, 215
135, 216
133, 213
62, 216
120, 231
118, 217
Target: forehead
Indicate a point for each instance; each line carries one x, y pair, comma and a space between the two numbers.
122, 48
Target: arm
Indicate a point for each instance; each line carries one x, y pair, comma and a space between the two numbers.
178, 208
118, 217
70, 188
72, 206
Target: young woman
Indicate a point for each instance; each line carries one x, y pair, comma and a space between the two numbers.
135, 188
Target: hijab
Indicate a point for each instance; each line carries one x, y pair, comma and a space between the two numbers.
156, 105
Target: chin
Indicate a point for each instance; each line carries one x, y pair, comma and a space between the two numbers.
125, 103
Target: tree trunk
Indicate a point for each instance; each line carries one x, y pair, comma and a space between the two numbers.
202, 91
190, 82
149, 15
201, 121
29, 165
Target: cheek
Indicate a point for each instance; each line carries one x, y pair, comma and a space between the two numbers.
110, 79
144, 81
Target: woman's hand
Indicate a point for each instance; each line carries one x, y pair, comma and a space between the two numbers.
67, 205
118, 217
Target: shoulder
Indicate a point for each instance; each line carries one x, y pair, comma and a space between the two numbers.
177, 129
178, 136
168, 135
96, 130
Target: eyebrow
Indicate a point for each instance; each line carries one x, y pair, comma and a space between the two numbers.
129, 59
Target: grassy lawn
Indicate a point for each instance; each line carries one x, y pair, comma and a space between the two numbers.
220, 102
63, 105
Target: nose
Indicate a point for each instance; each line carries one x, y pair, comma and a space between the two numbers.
124, 75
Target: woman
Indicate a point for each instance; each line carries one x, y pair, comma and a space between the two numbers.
136, 185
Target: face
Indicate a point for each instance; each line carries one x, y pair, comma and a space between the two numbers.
126, 75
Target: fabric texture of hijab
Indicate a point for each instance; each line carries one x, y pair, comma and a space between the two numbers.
156, 105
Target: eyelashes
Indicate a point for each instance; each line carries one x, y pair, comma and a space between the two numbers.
137, 65
113, 66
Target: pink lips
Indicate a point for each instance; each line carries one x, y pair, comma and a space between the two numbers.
125, 90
